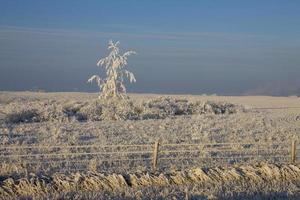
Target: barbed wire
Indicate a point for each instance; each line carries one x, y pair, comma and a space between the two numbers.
142, 154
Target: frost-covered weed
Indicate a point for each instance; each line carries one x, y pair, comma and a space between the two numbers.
113, 85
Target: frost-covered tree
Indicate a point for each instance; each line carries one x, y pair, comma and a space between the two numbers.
113, 85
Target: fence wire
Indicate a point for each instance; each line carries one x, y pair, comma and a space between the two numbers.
124, 158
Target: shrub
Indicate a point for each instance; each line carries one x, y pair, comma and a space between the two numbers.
213, 108
22, 116
163, 107
72, 111
112, 109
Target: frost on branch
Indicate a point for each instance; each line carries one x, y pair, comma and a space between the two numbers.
114, 64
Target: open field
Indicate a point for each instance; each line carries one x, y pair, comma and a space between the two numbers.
47, 134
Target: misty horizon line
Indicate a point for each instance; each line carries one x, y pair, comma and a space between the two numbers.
153, 92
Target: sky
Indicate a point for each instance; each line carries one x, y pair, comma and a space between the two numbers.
232, 47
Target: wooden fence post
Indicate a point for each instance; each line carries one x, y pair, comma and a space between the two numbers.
155, 155
293, 151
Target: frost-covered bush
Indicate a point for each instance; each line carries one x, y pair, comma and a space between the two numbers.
52, 111
163, 107
207, 107
222, 108
118, 110
73, 111
92, 111
111, 109
35, 111
22, 116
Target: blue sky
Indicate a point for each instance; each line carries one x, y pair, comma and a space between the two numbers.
224, 47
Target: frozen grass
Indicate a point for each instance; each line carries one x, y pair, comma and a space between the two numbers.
238, 182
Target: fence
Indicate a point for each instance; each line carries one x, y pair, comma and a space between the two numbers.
158, 156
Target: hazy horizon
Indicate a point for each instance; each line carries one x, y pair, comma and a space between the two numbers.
224, 48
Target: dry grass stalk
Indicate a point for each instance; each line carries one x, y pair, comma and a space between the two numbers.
93, 181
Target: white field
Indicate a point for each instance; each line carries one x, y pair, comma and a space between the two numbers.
266, 120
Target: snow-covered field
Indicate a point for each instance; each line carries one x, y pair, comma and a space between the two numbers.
63, 119
256, 119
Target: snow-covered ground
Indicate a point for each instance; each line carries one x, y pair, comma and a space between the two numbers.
261, 119
70, 119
